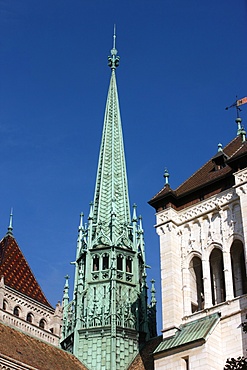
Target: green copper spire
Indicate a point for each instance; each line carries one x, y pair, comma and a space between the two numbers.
108, 317
111, 192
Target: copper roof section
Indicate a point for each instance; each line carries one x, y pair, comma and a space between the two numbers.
191, 332
16, 271
23, 349
207, 174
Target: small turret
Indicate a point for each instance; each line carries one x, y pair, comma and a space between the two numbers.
10, 227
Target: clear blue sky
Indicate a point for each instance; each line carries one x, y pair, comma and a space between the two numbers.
182, 63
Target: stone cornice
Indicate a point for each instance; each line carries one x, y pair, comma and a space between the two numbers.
212, 204
241, 177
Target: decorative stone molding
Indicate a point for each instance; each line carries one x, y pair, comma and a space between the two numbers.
241, 177
38, 311
7, 363
31, 329
166, 228
241, 190
212, 204
166, 215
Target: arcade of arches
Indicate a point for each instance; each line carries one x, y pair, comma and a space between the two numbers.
217, 276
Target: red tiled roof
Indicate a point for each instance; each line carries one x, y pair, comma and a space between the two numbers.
34, 353
207, 174
16, 271
144, 359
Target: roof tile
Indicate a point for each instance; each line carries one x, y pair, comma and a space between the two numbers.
207, 174
33, 352
16, 271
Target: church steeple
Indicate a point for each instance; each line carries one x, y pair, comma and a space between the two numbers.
108, 316
111, 200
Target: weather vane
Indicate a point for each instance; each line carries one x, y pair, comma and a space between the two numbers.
237, 104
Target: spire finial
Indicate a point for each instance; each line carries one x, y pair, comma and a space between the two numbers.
220, 148
134, 218
81, 221
114, 38
10, 227
153, 291
66, 291
166, 176
113, 60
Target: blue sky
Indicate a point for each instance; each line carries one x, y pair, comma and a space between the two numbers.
182, 62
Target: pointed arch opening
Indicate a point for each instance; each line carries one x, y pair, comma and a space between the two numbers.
129, 265
105, 261
238, 268
196, 284
42, 324
95, 262
120, 262
17, 311
217, 276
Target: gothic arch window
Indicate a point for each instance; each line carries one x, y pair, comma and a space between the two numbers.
42, 324
17, 311
129, 264
120, 262
105, 261
196, 284
29, 317
217, 276
120, 292
95, 262
238, 268
5, 305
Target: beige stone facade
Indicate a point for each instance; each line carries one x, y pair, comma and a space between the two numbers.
29, 316
203, 271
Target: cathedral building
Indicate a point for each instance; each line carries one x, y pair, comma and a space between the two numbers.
109, 319
22, 302
202, 228
30, 327
108, 324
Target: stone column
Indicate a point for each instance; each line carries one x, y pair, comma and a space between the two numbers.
228, 275
186, 290
171, 277
241, 190
206, 279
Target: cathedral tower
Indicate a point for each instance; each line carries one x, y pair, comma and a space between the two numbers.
107, 319
202, 226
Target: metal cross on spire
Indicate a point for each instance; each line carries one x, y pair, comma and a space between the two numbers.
113, 60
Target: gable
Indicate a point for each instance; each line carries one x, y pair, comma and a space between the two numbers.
16, 271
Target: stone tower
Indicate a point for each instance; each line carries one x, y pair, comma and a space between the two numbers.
107, 319
202, 226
